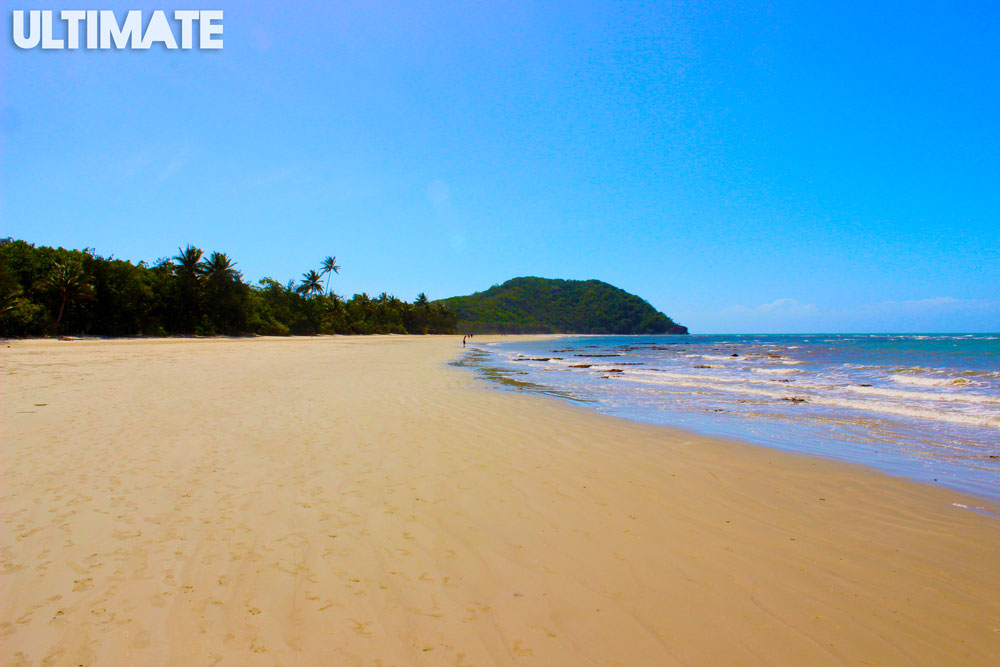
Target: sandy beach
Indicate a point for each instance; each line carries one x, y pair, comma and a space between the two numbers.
357, 501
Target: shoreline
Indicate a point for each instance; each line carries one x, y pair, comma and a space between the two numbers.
972, 501
349, 499
916, 440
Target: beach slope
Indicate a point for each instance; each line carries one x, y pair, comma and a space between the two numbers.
357, 501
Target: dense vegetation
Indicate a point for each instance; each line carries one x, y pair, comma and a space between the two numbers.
542, 305
46, 291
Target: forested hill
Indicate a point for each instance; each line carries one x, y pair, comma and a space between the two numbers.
543, 305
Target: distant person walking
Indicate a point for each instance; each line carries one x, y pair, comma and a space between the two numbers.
463, 340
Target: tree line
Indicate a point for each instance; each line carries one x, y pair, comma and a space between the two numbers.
49, 291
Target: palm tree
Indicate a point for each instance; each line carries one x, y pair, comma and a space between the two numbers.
68, 282
189, 260
312, 283
329, 264
218, 265
12, 299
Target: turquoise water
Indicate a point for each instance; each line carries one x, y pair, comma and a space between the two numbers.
922, 406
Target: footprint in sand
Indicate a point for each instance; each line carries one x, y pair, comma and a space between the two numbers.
52, 658
141, 639
517, 649
361, 628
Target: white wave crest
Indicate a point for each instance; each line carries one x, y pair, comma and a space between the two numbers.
930, 381
929, 412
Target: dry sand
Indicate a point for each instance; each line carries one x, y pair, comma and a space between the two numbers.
341, 501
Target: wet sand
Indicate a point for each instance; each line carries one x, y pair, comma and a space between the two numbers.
348, 501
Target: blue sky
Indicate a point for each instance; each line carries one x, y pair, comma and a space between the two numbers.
742, 166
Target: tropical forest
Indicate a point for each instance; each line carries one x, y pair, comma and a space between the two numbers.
48, 291
531, 305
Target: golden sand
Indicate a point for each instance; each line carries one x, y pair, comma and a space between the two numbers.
342, 501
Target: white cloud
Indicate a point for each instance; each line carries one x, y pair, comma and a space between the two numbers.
785, 307
134, 165
937, 304
278, 175
438, 192
174, 165
788, 315
931, 303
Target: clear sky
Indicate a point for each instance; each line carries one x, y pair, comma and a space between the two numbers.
743, 166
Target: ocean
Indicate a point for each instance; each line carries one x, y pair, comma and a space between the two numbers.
924, 406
